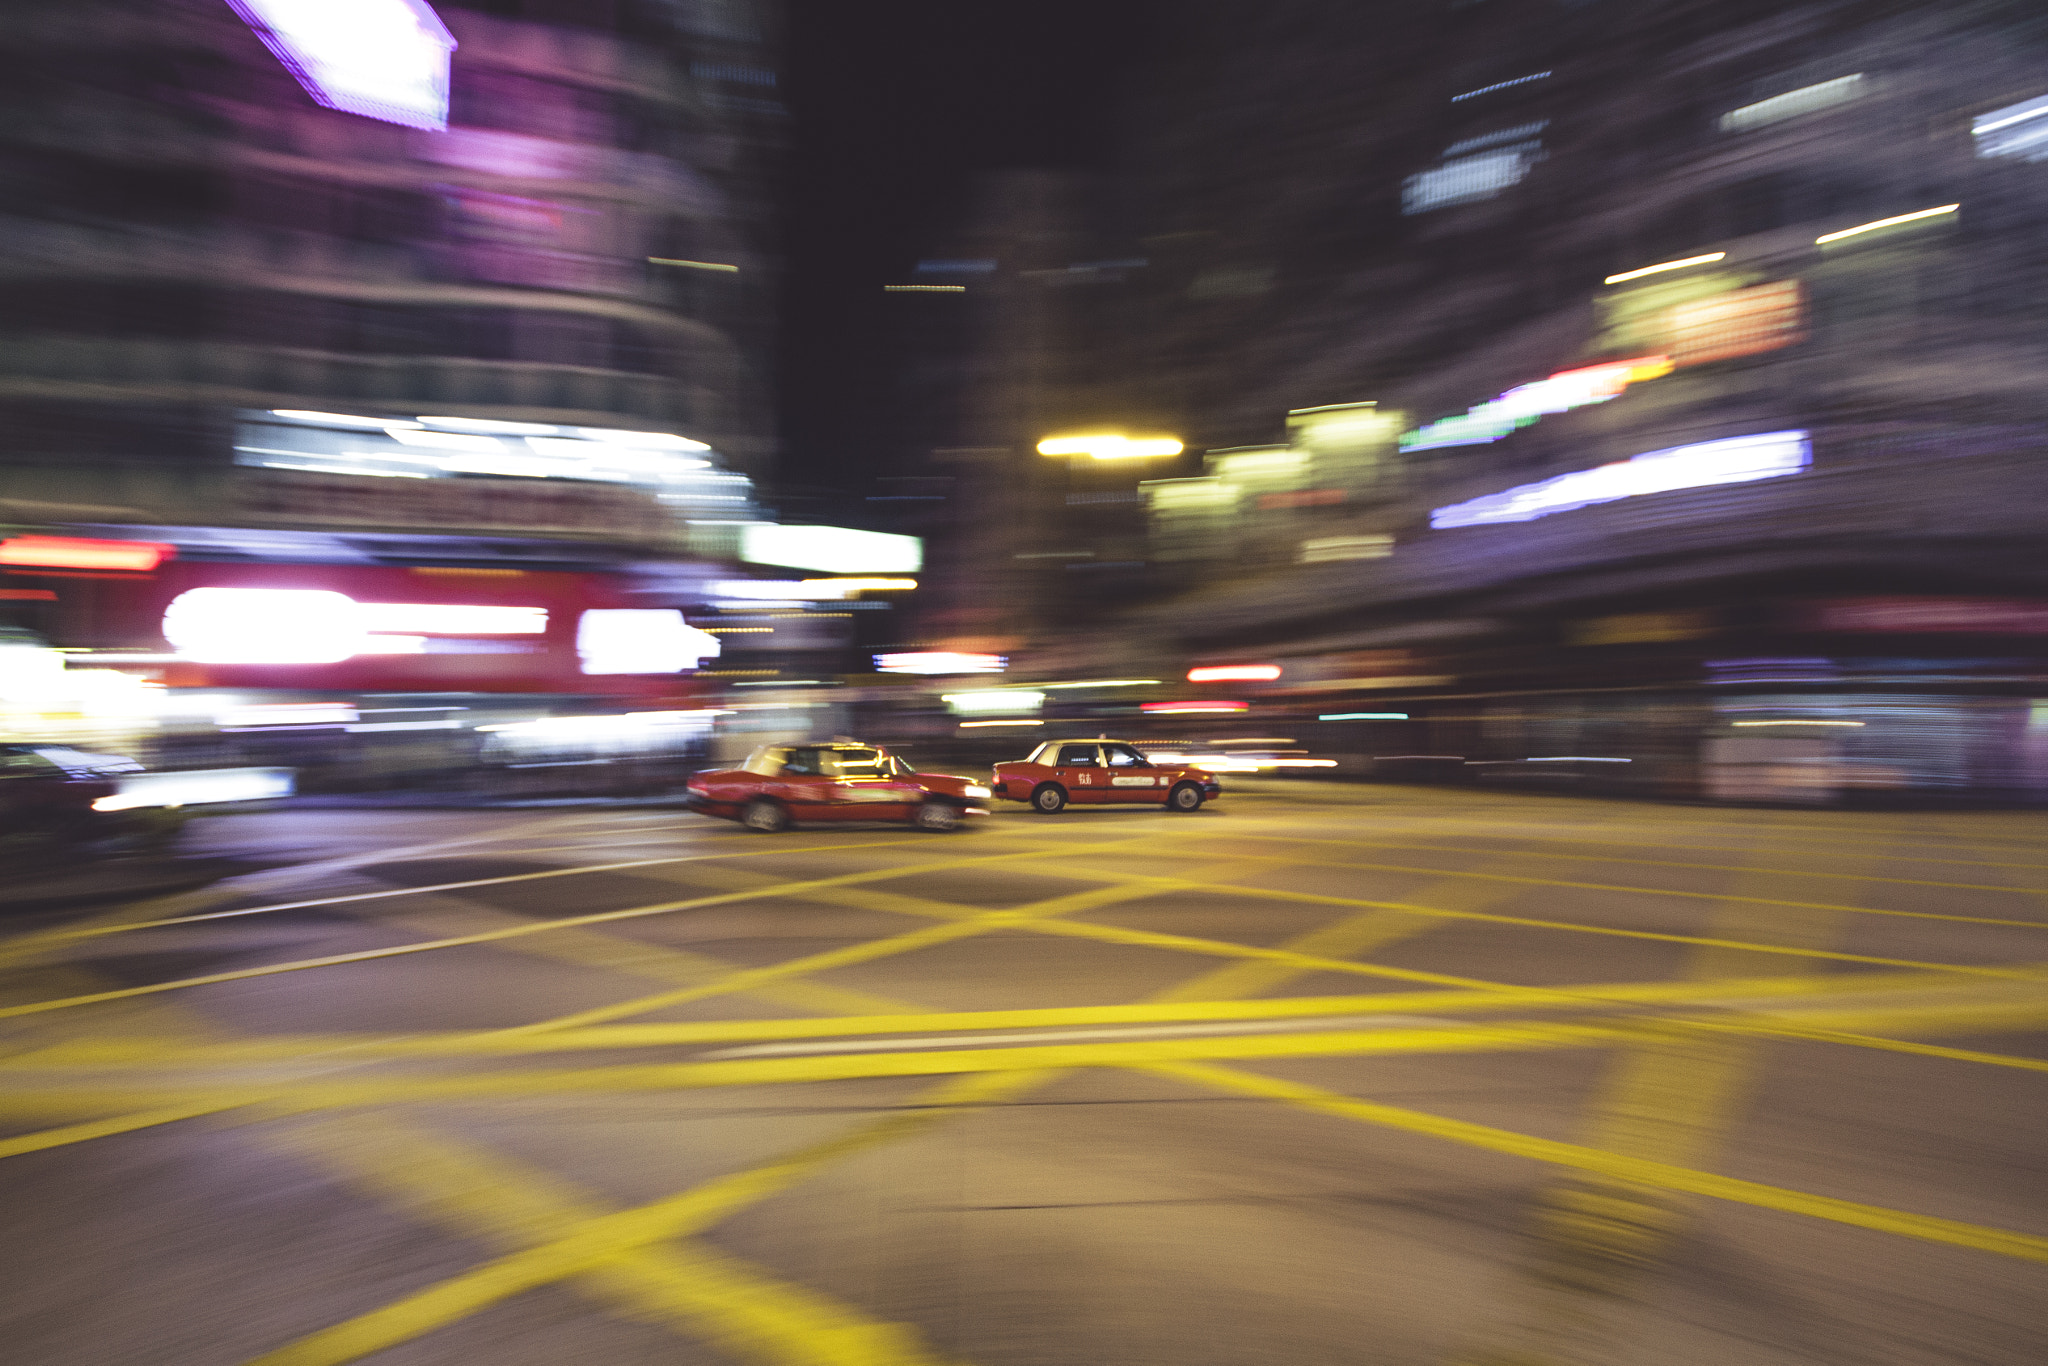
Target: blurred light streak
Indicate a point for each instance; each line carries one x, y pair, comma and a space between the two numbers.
617, 436
285, 714
1663, 266
1576, 759
939, 662
840, 587
1498, 85
1525, 403
1110, 446
1364, 716
2022, 141
1703, 464
451, 619
340, 419
1885, 223
197, 787
761, 590
489, 425
924, 289
1326, 549
974, 725
1520, 130
994, 701
830, 549
1105, 683
1806, 100
67, 552
382, 59
1225, 673
1857, 724
1257, 740
693, 265
412, 435
1190, 708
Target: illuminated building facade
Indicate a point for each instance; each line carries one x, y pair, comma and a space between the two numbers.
392, 270
1701, 322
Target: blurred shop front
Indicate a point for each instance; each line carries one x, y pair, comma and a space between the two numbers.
514, 664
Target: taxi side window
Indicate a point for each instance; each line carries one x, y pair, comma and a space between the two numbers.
764, 762
1123, 756
22, 763
803, 761
1077, 756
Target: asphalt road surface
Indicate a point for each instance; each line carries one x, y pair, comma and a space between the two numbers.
1315, 1075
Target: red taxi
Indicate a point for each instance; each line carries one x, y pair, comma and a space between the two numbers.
1101, 773
780, 785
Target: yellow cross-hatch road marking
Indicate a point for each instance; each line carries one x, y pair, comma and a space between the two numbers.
601, 1241
2003, 1242
535, 927
1646, 863
1171, 1008
1215, 946
475, 1192
381, 894
739, 1190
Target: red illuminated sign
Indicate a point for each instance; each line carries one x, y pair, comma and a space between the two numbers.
1945, 616
68, 552
1188, 708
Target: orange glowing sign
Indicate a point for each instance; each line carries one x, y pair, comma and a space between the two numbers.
1740, 322
1235, 673
68, 552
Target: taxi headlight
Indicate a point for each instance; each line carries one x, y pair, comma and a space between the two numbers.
977, 790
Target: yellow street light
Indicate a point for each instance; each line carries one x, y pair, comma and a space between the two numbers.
1110, 446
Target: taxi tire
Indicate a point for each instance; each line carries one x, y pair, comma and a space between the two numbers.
1049, 799
938, 817
1184, 798
764, 817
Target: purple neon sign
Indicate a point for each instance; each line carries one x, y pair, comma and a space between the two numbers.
383, 59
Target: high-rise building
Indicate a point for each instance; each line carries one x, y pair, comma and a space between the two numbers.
384, 284
1699, 339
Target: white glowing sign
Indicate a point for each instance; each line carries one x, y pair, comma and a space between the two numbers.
383, 59
939, 662
2017, 130
633, 640
1806, 100
831, 549
1463, 179
1734, 460
320, 626
1523, 404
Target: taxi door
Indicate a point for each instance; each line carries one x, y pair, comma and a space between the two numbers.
1131, 778
1078, 768
804, 786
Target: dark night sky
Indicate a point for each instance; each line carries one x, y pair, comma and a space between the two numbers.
897, 104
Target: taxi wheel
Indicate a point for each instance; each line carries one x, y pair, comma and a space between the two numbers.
764, 816
937, 816
1050, 798
1186, 797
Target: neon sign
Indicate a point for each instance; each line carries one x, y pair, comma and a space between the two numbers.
1525, 403
1734, 460
383, 59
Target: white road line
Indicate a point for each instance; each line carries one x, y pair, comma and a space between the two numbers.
900, 1044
